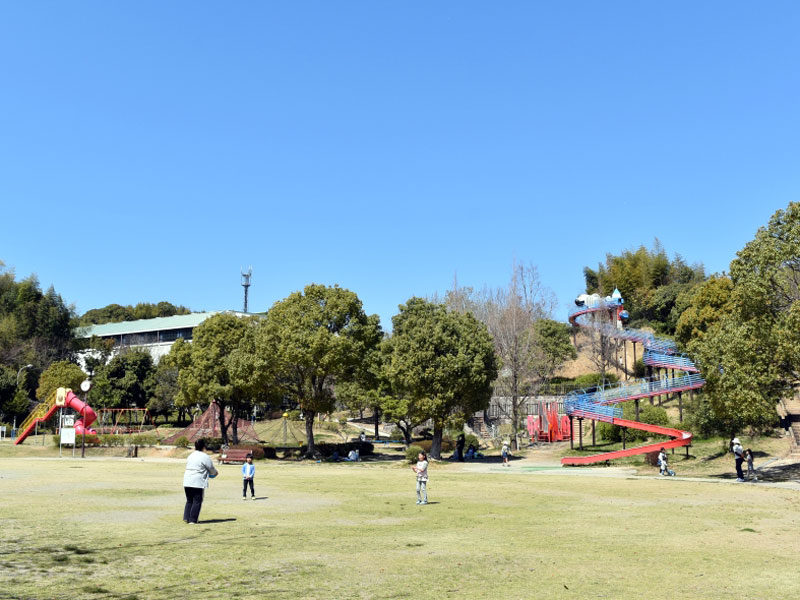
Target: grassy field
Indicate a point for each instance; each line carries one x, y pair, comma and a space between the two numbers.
112, 528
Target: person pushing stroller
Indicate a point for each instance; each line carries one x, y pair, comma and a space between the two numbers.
663, 464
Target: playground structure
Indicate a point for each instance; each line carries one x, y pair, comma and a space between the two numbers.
549, 425
606, 317
207, 425
60, 398
118, 421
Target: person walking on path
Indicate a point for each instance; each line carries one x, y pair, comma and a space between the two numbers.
505, 453
199, 469
422, 478
738, 453
248, 473
751, 471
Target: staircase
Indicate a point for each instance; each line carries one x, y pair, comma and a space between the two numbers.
479, 427
789, 408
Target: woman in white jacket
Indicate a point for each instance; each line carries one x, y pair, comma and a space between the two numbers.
199, 469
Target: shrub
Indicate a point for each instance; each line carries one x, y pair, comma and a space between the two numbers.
294, 415
213, 444
256, 451
412, 453
326, 450
144, 439
182, 442
447, 445
590, 380
654, 415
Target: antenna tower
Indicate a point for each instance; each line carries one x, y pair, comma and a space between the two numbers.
246, 284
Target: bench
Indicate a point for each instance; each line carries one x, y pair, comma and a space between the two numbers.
233, 455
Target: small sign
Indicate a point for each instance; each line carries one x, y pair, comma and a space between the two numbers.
67, 435
67, 420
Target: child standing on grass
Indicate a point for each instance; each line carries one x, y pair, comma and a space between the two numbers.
505, 452
422, 478
751, 471
248, 472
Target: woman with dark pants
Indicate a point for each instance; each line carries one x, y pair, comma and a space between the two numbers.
199, 469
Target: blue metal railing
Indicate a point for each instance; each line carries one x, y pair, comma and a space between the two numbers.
583, 405
642, 387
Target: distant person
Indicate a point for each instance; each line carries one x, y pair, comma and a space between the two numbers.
362, 437
738, 453
751, 471
248, 474
422, 478
353, 456
471, 451
663, 463
505, 453
199, 469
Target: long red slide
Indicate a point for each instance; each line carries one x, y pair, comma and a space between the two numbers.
607, 316
61, 398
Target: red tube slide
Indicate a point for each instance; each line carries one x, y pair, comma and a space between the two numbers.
88, 416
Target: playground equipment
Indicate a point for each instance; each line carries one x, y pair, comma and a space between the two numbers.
549, 426
60, 398
207, 425
606, 316
122, 420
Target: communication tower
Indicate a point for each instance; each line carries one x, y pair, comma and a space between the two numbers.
246, 284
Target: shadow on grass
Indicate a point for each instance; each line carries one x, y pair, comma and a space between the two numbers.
209, 521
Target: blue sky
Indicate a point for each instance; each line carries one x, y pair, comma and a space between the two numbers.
149, 150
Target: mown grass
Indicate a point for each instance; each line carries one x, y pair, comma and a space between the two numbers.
353, 531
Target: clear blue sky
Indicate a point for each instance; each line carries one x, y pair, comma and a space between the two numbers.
150, 149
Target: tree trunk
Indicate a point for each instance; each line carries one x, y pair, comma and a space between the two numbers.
312, 449
235, 427
406, 431
377, 415
436, 446
515, 421
223, 427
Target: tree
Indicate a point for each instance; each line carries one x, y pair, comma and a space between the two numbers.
166, 389
315, 338
649, 282
116, 313
127, 381
443, 361
510, 315
205, 377
61, 373
745, 333
706, 305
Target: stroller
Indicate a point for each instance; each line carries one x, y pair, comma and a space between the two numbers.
663, 465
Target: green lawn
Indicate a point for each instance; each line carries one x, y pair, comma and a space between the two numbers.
112, 528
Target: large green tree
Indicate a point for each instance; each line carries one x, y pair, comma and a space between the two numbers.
204, 376
127, 381
443, 361
62, 373
746, 333
309, 341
